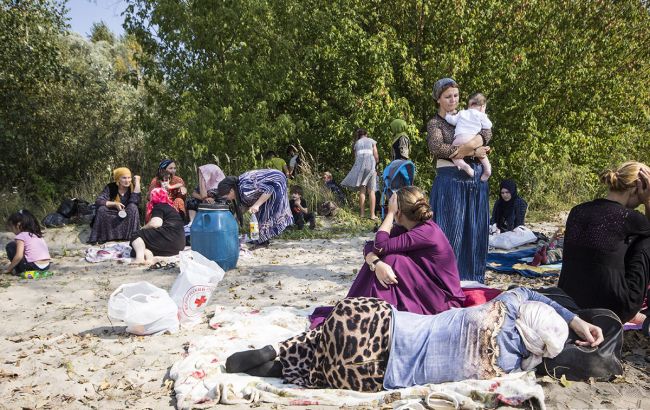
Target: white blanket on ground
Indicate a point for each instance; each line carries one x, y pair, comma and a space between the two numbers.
201, 381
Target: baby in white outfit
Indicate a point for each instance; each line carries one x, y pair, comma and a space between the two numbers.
469, 123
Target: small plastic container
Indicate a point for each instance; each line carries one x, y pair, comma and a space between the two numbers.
254, 228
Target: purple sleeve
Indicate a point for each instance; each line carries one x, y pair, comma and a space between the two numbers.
133, 199
103, 197
402, 241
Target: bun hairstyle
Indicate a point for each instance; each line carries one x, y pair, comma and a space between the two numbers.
413, 204
624, 177
361, 132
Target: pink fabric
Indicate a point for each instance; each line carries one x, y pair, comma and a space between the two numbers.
35, 247
478, 296
211, 176
158, 196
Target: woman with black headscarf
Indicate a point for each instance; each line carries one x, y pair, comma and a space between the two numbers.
509, 210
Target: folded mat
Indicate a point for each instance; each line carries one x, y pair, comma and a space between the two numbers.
511, 262
201, 381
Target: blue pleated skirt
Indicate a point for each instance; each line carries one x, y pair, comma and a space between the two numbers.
461, 208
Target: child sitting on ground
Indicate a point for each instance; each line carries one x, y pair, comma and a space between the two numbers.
28, 251
299, 209
469, 123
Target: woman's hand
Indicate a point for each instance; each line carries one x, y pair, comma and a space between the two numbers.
183, 190
591, 335
209, 200
254, 209
116, 205
481, 152
385, 274
392, 204
643, 187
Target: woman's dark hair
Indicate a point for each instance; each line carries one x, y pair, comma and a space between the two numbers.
361, 132
27, 222
162, 174
224, 188
296, 189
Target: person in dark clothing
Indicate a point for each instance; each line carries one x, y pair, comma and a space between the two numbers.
299, 210
334, 187
509, 210
163, 234
605, 260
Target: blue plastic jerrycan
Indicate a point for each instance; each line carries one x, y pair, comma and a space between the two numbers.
215, 235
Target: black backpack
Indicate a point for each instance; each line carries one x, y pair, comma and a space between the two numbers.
580, 362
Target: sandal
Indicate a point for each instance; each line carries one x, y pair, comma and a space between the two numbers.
156, 266
169, 266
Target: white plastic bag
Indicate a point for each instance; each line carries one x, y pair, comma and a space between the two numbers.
194, 286
145, 308
517, 237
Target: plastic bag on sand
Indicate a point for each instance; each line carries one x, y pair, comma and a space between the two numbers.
145, 308
517, 237
194, 286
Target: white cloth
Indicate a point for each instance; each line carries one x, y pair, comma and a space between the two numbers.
543, 331
468, 122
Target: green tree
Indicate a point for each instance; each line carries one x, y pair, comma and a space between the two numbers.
101, 32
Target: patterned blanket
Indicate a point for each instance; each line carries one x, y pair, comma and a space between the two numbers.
201, 381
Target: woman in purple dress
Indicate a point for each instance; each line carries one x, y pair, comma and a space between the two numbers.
410, 265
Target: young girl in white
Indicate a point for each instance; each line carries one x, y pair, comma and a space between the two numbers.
468, 123
28, 251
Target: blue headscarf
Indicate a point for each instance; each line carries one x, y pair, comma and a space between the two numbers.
165, 163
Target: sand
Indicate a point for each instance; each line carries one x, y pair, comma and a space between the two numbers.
60, 350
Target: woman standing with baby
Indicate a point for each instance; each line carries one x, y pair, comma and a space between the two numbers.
459, 201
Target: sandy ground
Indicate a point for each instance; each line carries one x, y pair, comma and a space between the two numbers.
59, 349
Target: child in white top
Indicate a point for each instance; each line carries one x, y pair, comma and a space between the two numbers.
29, 250
468, 123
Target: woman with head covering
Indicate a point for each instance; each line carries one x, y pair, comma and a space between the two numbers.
368, 345
401, 147
264, 193
163, 233
117, 216
606, 255
509, 210
206, 191
460, 203
410, 264
174, 185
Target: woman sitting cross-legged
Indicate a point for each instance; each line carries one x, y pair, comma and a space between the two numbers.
367, 345
163, 234
117, 215
509, 210
410, 264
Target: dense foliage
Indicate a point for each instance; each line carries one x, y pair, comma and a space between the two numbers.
568, 84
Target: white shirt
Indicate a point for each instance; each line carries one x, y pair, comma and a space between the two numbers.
469, 122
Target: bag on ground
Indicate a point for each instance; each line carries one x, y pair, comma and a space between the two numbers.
55, 220
517, 237
194, 286
145, 308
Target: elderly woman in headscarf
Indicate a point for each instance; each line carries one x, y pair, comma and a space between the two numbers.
368, 345
117, 216
163, 233
174, 185
206, 191
401, 147
509, 210
264, 193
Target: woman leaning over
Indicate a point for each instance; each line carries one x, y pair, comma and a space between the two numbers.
460, 203
118, 216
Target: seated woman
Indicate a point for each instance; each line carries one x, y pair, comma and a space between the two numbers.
174, 184
206, 192
117, 216
366, 344
605, 259
163, 234
409, 265
264, 192
509, 210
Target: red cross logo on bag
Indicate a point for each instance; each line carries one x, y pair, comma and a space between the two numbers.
199, 301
